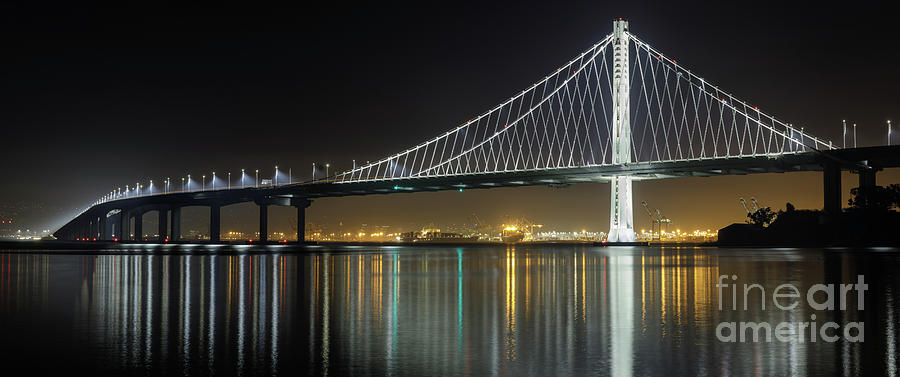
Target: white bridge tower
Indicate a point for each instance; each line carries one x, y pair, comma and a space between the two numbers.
621, 217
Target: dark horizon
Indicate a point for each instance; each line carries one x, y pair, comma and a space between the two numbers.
92, 100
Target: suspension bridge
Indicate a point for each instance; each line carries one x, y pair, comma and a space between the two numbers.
619, 111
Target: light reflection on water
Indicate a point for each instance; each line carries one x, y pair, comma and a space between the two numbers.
514, 310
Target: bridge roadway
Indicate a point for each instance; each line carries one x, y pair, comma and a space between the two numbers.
106, 221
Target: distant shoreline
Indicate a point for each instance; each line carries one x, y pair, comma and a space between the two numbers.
97, 245
52, 245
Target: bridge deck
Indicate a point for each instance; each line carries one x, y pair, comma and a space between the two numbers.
850, 159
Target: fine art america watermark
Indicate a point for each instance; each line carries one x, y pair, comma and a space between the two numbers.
787, 297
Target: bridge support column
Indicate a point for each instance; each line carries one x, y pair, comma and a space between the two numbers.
215, 221
138, 226
832, 188
124, 225
866, 183
263, 222
621, 216
175, 233
110, 227
163, 218
301, 204
103, 228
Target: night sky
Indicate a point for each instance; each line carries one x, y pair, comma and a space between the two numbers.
94, 97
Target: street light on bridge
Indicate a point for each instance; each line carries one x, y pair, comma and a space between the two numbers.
203, 183
189, 182
257, 178
229, 180
214, 181
844, 122
167, 185
242, 178
275, 179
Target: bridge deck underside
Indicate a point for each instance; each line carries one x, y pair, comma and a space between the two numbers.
564, 176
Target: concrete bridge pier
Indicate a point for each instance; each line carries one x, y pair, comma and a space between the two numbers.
263, 222
832, 188
138, 226
215, 221
103, 227
866, 183
301, 204
123, 225
163, 217
175, 231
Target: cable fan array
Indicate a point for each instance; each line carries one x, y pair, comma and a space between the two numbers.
564, 121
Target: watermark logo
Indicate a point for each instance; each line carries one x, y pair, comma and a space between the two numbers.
787, 297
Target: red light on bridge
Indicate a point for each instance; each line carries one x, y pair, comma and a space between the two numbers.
116, 239
755, 107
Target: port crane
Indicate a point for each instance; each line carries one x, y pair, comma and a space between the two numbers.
657, 219
753, 208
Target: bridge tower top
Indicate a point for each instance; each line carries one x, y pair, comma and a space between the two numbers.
620, 26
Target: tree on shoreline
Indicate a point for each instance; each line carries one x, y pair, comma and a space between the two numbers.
761, 217
877, 197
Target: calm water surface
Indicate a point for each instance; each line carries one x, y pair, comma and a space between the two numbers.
510, 311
